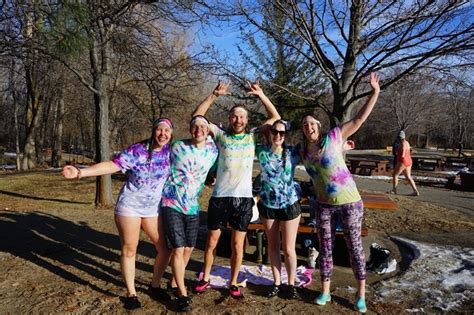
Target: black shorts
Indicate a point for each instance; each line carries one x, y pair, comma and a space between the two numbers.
180, 230
235, 211
285, 214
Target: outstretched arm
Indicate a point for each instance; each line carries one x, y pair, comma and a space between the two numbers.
220, 89
350, 127
272, 113
102, 168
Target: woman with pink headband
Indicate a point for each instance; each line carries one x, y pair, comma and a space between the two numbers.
147, 165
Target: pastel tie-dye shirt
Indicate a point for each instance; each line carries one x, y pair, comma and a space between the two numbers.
189, 168
235, 163
141, 193
278, 187
331, 178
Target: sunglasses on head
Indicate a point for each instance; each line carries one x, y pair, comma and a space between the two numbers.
280, 132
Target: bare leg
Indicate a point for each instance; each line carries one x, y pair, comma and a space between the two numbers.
272, 229
210, 252
178, 267
129, 232
238, 238
396, 172
289, 231
411, 181
153, 228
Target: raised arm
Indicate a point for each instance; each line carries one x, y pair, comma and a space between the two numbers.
102, 168
272, 113
220, 89
350, 127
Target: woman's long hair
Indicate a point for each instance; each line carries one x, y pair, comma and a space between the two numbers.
321, 140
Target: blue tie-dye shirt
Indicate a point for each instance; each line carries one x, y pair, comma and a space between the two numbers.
278, 186
141, 193
189, 168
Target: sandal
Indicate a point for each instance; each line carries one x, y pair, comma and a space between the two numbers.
235, 292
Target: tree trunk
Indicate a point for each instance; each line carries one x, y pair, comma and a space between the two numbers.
32, 121
101, 74
56, 155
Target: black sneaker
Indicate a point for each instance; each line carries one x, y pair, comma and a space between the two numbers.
131, 302
159, 293
292, 293
184, 304
173, 292
274, 290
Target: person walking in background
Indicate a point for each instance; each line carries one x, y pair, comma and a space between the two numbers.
279, 205
337, 194
403, 165
232, 200
191, 160
147, 165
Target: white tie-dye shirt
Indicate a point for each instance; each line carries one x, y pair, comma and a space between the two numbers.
235, 163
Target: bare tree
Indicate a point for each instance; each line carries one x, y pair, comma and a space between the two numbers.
347, 40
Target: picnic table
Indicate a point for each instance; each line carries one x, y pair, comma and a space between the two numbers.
370, 200
433, 163
368, 166
464, 161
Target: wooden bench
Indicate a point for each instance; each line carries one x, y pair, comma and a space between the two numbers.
457, 161
431, 163
370, 200
366, 166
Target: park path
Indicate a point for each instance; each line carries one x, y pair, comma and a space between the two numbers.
462, 201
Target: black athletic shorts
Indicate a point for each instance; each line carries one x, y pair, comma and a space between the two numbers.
285, 214
180, 230
235, 211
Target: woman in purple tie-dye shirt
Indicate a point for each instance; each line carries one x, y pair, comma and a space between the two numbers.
147, 165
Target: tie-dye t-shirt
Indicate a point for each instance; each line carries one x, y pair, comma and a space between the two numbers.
331, 178
141, 193
189, 168
278, 187
235, 163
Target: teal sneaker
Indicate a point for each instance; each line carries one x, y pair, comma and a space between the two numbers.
322, 299
360, 305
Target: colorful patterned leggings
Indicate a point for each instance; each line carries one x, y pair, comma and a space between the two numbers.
351, 215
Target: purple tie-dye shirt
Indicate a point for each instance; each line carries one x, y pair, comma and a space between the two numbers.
141, 194
332, 179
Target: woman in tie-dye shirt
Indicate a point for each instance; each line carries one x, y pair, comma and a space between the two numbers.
279, 205
337, 194
147, 165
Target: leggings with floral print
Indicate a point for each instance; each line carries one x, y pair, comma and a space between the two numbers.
351, 215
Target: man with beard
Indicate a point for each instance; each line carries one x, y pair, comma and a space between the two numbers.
232, 200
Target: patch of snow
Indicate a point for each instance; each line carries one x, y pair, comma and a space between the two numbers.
13, 154
440, 276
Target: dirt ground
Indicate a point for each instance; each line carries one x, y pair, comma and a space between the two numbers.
59, 254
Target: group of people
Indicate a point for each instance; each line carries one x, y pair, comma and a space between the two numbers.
164, 181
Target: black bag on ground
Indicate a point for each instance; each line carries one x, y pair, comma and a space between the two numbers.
381, 260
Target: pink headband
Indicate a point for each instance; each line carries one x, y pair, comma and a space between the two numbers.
164, 121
